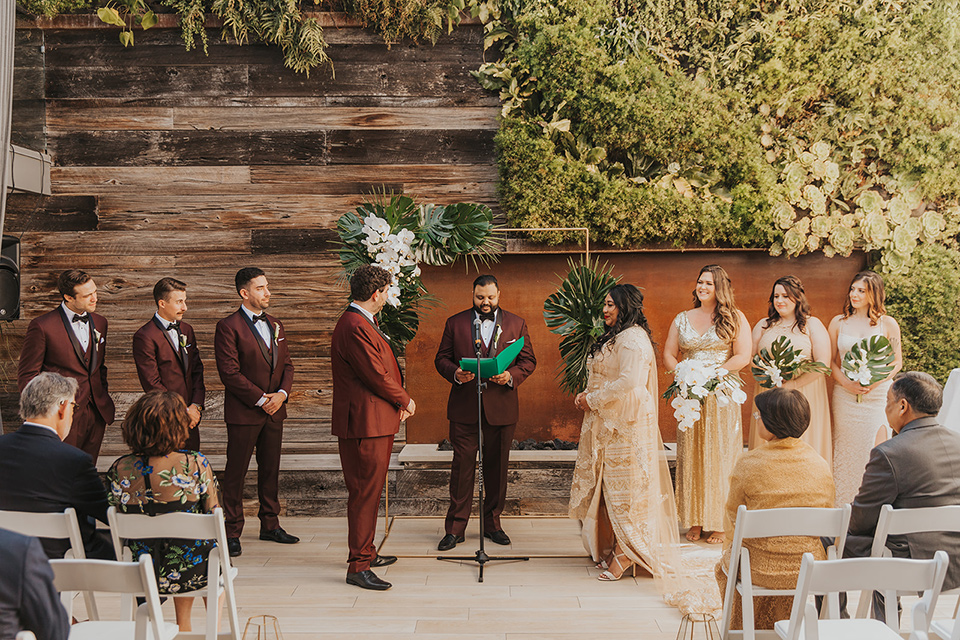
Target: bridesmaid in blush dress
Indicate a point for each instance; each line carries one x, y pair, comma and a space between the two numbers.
857, 424
714, 332
789, 315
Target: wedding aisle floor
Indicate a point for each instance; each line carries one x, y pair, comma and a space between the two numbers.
545, 598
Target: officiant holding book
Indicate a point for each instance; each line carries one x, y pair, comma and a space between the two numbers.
495, 329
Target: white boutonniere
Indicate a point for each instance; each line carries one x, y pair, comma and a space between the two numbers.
97, 336
496, 338
276, 332
183, 341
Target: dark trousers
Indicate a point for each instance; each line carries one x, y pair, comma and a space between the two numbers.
241, 441
193, 440
86, 431
496, 458
365, 462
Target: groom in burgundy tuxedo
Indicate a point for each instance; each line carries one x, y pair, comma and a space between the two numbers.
165, 352
257, 373
369, 402
72, 340
494, 328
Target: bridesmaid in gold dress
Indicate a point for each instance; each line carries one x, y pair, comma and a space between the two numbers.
789, 315
717, 333
621, 492
859, 425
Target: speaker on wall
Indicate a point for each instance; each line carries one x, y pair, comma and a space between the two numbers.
10, 278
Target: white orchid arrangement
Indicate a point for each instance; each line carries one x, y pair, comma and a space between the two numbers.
397, 234
392, 252
782, 362
693, 381
868, 361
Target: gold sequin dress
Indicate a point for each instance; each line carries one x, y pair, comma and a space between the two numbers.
707, 451
819, 434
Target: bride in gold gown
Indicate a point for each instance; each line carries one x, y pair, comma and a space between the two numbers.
621, 491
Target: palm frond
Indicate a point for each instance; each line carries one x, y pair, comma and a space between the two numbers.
575, 312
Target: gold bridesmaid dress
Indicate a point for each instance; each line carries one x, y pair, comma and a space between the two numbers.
707, 451
819, 434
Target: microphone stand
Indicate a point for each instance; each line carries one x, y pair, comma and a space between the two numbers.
480, 557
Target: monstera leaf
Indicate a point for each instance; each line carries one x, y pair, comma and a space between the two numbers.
460, 229
575, 312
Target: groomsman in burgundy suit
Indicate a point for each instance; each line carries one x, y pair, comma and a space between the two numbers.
257, 373
494, 328
166, 354
72, 340
369, 402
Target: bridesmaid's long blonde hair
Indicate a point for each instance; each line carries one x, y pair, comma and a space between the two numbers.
725, 314
873, 283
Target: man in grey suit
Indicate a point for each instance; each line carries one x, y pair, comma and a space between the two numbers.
918, 467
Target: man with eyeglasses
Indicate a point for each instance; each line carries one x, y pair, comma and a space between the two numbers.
72, 340
39, 473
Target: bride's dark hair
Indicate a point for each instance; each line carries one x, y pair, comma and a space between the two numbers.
629, 302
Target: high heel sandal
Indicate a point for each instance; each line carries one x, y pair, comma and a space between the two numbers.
608, 576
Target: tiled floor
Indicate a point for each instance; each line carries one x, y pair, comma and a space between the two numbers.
545, 598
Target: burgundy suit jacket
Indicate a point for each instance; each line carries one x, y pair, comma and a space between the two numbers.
160, 365
500, 403
368, 390
50, 346
248, 369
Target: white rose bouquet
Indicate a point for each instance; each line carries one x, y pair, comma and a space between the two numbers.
868, 361
693, 381
771, 368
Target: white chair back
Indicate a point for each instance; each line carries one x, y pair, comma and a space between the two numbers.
888, 575
132, 578
26, 635
59, 526
771, 523
191, 526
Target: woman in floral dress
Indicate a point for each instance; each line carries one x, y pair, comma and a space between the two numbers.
159, 477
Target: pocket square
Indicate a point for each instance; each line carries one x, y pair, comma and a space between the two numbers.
512, 341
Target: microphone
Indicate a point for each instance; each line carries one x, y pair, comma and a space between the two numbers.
476, 326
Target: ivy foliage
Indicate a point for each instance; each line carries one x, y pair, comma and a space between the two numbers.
799, 125
926, 303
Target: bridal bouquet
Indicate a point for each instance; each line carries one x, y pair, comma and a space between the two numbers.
868, 361
781, 363
693, 381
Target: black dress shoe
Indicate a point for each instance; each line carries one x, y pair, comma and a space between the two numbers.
233, 547
279, 535
383, 561
367, 580
449, 541
497, 536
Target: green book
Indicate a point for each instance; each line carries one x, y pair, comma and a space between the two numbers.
490, 367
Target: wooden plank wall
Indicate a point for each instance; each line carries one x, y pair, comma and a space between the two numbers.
172, 163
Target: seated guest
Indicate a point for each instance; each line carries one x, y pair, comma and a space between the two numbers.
782, 472
42, 474
160, 477
28, 599
918, 467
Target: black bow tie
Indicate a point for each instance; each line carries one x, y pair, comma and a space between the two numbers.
173, 326
486, 316
260, 318
81, 318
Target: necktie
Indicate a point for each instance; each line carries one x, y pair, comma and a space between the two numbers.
81, 318
174, 326
261, 317
487, 316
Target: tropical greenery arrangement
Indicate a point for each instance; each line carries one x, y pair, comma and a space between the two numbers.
575, 312
394, 232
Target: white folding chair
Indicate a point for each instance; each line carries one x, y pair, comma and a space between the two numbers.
854, 574
770, 523
921, 520
191, 526
59, 526
107, 576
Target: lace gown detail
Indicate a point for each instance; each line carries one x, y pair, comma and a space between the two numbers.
855, 425
621, 483
819, 434
707, 451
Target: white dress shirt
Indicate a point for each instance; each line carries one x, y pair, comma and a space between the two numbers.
263, 328
172, 333
486, 328
80, 329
